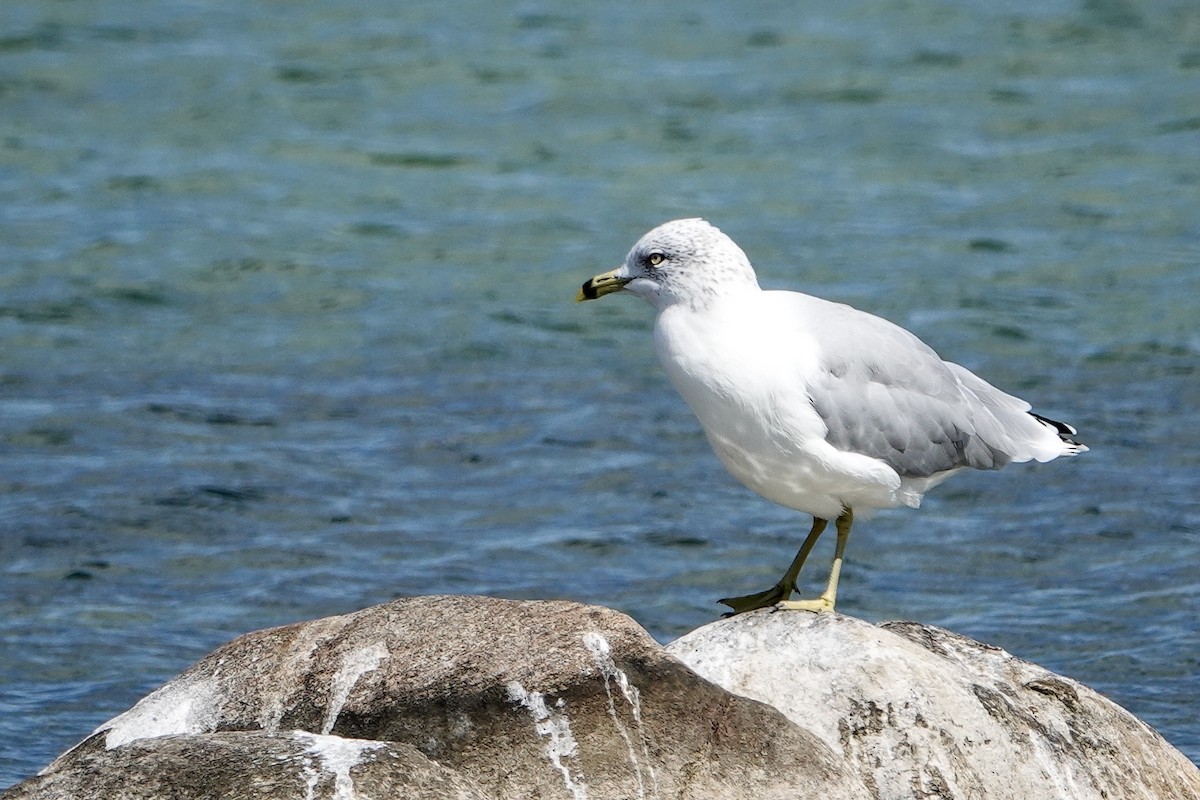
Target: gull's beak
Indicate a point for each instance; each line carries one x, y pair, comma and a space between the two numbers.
605, 283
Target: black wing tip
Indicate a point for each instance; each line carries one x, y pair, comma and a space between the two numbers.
1064, 431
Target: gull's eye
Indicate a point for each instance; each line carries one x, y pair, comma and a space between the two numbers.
654, 259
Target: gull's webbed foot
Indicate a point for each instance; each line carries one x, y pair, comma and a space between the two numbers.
817, 606
777, 594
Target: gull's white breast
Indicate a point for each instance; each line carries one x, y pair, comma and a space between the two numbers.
744, 365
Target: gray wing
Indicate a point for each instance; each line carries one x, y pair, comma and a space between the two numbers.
884, 393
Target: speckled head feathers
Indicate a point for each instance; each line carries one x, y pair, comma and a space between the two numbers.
686, 261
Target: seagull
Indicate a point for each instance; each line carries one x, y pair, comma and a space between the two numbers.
815, 405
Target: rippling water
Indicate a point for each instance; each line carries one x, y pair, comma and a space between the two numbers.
286, 323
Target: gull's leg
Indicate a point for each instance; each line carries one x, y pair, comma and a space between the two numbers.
829, 596
787, 584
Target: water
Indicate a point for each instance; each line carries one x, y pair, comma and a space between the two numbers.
285, 318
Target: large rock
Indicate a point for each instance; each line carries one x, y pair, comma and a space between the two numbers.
494, 698
472, 698
923, 712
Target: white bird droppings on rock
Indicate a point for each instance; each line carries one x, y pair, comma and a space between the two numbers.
354, 665
336, 756
601, 651
554, 725
179, 707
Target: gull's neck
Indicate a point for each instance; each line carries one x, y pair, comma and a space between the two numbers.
712, 296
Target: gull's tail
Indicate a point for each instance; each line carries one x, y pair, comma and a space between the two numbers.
1065, 432
1014, 430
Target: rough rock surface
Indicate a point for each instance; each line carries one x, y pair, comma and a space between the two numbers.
923, 712
241, 765
512, 699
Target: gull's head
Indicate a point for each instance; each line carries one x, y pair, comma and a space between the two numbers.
683, 261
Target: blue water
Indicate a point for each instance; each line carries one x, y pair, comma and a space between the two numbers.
286, 324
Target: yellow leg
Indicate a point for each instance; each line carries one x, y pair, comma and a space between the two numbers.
829, 596
787, 584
